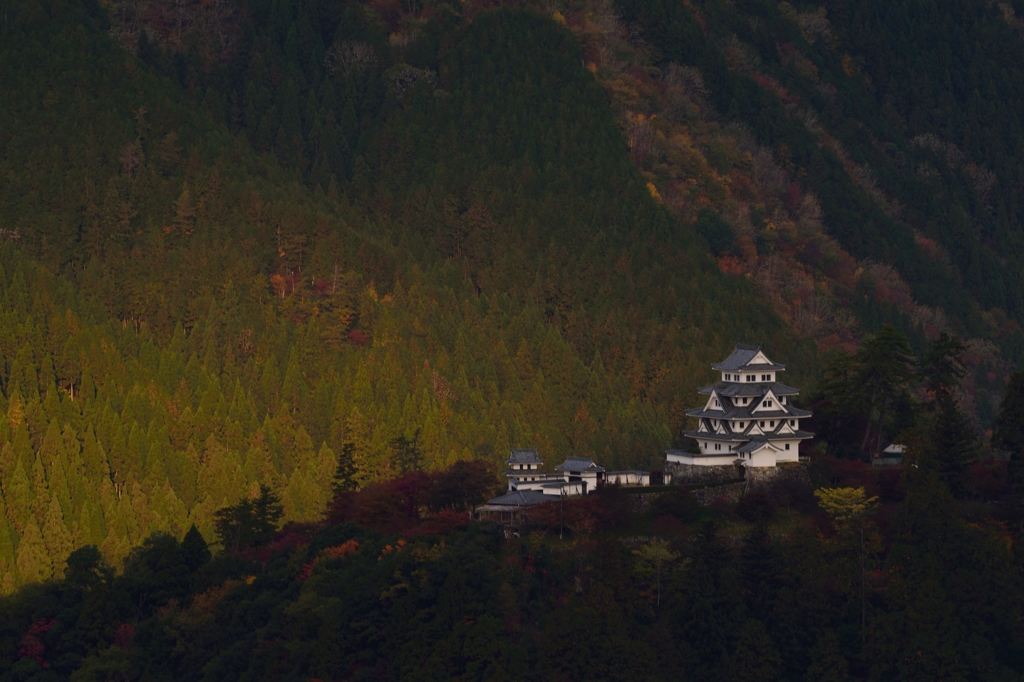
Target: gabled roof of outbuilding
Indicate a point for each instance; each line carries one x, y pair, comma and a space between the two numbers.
578, 464
754, 445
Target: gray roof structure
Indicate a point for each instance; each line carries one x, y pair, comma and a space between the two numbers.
734, 436
520, 498
524, 456
578, 465
740, 358
752, 445
731, 389
744, 412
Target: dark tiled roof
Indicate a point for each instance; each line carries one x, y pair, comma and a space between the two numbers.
520, 498
705, 435
524, 456
752, 445
740, 356
743, 412
578, 464
748, 388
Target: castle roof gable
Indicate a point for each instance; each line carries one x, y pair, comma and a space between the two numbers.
524, 456
747, 357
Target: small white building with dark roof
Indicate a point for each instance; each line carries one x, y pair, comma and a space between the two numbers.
529, 486
582, 470
748, 417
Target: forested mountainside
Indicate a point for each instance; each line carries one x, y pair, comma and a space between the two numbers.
854, 158
243, 238
467, 259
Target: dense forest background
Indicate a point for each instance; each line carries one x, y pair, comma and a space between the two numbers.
239, 239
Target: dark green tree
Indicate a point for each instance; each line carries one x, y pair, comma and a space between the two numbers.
885, 367
1009, 432
250, 522
954, 444
406, 454
942, 367
86, 568
345, 473
194, 549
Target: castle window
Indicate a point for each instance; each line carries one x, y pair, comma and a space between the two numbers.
767, 403
762, 424
787, 446
772, 424
792, 422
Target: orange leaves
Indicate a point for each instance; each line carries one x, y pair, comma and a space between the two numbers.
654, 192
279, 284
340, 551
389, 549
337, 552
730, 265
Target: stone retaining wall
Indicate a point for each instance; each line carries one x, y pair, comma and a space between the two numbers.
768, 478
729, 493
692, 474
641, 502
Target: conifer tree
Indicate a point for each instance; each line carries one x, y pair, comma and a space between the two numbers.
34, 564
1009, 431
194, 549
345, 475
57, 538
955, 444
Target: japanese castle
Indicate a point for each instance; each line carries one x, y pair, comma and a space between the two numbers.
749, 418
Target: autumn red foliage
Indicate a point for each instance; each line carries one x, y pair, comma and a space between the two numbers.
32, 645
337, 552
418, 503
123, 636
288, 538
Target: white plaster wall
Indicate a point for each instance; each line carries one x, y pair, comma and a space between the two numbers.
723, 458
764, 457
791, 455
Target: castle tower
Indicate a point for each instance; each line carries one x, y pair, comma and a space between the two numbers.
749, 418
